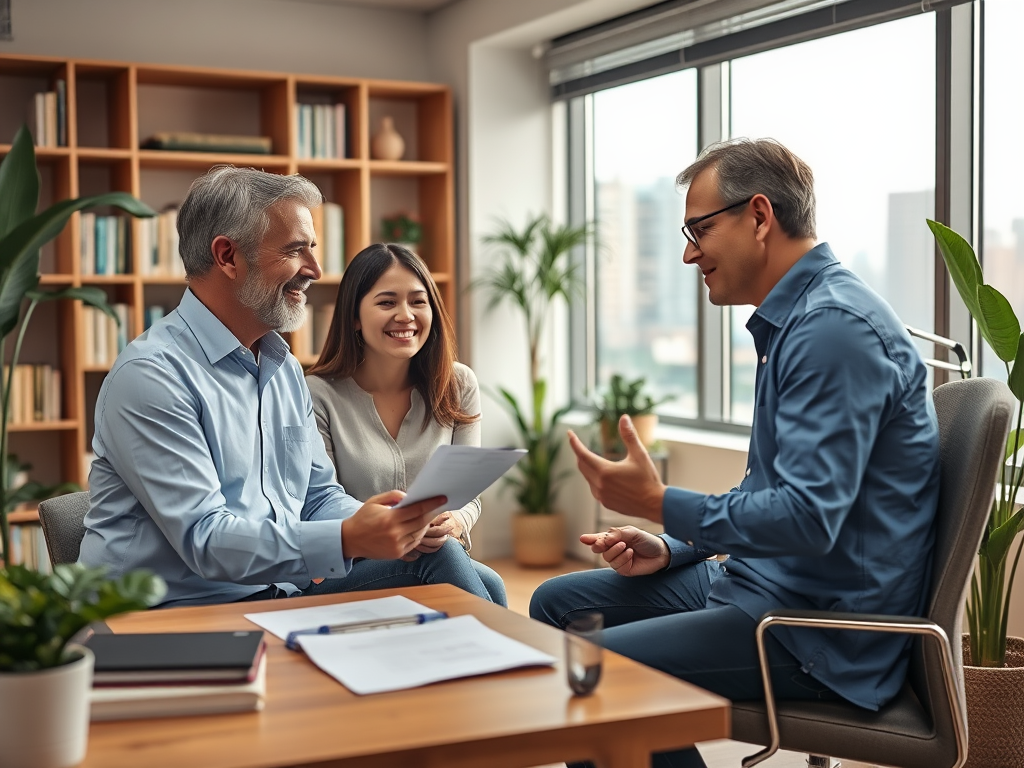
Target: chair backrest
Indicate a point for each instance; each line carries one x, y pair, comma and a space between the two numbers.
62, 520
974, 419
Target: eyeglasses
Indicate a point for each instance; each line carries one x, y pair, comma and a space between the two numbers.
688, 232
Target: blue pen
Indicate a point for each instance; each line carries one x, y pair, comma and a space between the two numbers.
361, 626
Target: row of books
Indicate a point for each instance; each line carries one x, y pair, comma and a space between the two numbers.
35, 393
28, 548
105, 244
320, 131
308, 340
158, 245
104, 338
329, 225
48, 117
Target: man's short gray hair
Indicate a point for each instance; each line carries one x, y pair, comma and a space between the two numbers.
233, 202
748, 167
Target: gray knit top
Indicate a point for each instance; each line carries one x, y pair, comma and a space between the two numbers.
367, 459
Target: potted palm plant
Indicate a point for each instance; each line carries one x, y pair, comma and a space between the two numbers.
534, 270
993, 659
625, 397
22, 233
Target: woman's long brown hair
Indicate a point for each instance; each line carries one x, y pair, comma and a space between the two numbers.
432, 369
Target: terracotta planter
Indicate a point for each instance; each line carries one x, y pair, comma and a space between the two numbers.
538, 540
995, 709
45, 720
645, 425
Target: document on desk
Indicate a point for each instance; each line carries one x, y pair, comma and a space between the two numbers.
460, 472
408, 657
280, 623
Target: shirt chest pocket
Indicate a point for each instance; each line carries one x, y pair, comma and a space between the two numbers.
298, 461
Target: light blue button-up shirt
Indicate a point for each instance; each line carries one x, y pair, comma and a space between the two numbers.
209, 468
837, 506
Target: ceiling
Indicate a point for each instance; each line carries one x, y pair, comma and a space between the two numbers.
423, 6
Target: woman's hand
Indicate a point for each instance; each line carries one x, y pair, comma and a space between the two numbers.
440, 528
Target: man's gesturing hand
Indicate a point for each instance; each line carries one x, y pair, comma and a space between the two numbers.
379, 532
630, 551
631, 486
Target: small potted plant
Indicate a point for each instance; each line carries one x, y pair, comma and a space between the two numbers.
402, 229
44, 680
629, 398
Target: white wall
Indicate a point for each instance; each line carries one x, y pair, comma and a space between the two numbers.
238, 34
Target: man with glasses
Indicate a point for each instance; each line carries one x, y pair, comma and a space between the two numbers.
836, 507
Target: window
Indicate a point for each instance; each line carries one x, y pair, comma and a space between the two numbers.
646, 315
860, 107
1002, 234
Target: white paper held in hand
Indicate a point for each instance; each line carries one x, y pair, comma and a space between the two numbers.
461, 473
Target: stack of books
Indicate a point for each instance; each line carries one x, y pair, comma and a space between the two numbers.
174, 674
105, 244
105, 338
187, 141
158, 245
35, 393
48, 116
320, 131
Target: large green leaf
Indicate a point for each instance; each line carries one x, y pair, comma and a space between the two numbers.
19, 183
94, 297
1002, 537
962, 264
1015, 381
997, 323
15, 284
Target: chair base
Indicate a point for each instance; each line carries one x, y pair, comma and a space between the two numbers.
820, 761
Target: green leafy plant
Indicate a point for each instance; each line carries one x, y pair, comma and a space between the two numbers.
401, 228
988, 606
40, 613
29, 490
22, 233
534, 270
624, 397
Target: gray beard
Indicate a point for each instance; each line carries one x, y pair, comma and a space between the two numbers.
269, 304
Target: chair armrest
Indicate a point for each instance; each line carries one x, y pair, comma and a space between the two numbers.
864, 622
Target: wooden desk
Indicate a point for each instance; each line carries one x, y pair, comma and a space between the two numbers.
512, 719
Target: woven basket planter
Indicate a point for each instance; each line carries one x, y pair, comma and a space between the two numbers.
538, 540
995, 709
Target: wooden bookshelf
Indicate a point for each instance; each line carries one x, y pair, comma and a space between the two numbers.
113, 107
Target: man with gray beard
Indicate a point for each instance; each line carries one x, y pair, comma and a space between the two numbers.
209, 467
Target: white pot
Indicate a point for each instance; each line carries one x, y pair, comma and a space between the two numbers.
44, 716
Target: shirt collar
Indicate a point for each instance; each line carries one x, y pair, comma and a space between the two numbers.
781, 299
215, 338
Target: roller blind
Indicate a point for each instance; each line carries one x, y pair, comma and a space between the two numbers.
678, 34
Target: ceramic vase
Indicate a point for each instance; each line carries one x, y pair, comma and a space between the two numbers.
388, 143
45, 720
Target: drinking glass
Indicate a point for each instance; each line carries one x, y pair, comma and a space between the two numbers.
583, 652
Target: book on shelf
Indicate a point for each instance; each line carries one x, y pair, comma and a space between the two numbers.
105, 244
138, 701
329, 226
35, 394
187, 141
176, 657
151, 314
47, 116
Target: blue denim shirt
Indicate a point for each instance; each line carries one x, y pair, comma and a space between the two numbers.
209, 468
836, 509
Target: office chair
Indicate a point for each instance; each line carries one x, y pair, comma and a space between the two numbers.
925, 726
61, 518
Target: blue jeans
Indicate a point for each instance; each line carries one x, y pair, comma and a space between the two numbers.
451, 564
666, 621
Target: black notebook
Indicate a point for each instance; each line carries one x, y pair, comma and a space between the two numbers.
180, 657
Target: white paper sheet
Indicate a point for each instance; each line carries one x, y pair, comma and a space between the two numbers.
460, 472
280, 623
408, 657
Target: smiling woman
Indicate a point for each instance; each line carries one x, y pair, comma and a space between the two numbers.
387, 391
